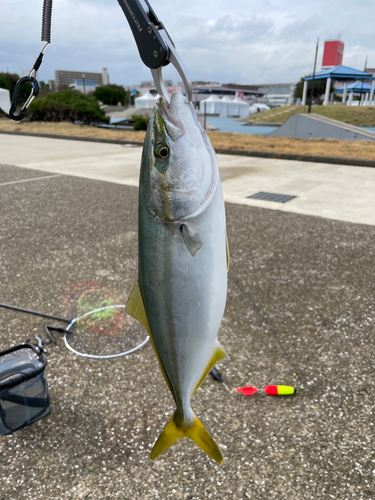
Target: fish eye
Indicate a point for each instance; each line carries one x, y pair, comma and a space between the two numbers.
162, 151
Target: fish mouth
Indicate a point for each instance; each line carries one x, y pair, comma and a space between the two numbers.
176, 116
166, 118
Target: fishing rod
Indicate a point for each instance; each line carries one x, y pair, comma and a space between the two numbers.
155, 46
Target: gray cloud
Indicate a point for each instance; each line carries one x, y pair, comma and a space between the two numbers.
242, 41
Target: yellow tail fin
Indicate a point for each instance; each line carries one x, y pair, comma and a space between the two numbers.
196, 433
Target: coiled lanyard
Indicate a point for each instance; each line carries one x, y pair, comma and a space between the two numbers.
31, 77
155, 46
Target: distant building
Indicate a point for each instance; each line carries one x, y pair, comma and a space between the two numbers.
199, 83
249, 95
278, 94
150, 84
84, 86
69, 78
274, 94
52, 85
249, 88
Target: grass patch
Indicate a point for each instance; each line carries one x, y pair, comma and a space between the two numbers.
317, 147
291, 145
362, 116
66, 128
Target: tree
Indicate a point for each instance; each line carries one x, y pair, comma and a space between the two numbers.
43, 85
140, 122
111, 94
67, 105
8, 81
319, 88
44, 89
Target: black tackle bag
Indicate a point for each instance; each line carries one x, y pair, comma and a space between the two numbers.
24, 394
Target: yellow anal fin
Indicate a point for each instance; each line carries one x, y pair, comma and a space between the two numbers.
196, 433
228, 255
136, 308
219, 353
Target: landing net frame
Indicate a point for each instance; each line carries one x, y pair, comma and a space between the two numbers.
74, 321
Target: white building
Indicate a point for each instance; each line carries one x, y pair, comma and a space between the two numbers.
243, 107
84, 86
212, 104
145, 101
278, 94
68, 78
5, 100
226, 106
258, 107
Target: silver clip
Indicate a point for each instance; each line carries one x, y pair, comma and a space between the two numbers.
174, 59
40, 344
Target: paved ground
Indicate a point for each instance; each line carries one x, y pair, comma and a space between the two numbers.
301, 300
332, 191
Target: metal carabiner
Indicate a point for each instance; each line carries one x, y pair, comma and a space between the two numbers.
34, 92
31, 77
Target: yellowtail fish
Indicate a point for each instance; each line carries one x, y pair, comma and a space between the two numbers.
183, 256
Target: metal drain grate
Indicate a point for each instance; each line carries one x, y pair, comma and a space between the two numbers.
279, 198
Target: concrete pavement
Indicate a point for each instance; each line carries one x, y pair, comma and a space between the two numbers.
331, 191
300, 300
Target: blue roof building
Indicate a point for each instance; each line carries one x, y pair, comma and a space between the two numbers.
340, 73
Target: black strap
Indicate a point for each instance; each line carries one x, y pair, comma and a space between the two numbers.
25, 401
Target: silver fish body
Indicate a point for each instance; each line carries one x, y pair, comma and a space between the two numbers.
182, 259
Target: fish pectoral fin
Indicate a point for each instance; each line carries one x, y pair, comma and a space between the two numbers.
219, 354
192, 244
195, 432
136, 308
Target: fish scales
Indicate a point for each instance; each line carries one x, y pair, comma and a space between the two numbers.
182, 260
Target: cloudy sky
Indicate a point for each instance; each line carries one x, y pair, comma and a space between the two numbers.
242, 41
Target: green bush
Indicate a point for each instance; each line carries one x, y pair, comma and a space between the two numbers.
67, 105
111, 94
140, 122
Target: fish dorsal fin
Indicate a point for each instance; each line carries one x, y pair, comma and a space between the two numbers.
219, 353
192, 244
228, 256
136, 308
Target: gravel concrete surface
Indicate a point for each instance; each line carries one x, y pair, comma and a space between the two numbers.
301, 300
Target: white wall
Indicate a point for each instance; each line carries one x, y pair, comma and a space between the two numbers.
5, 100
